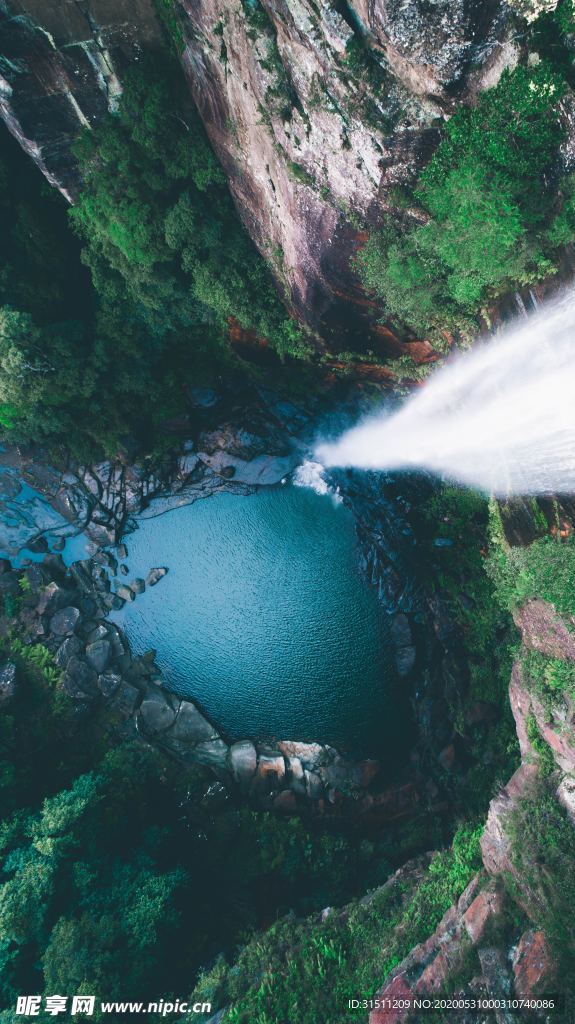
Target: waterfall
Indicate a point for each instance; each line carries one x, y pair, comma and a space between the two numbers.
500, 418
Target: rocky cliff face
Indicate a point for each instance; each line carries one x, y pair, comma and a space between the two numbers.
61, 66
316, 109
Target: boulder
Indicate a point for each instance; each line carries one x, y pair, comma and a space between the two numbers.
7, 682
313, 785
108, 683
98, 654
122, 551
138, 586
404, 660
296, 775
52, 598
155, 575
125, 593
213, 753
311, 755
156, 714
70, 648
124, 569
190, 728
271, 768
65, 621
243, 762
80, 680
125, 700
98, 633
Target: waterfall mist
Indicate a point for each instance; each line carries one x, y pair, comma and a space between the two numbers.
500, 418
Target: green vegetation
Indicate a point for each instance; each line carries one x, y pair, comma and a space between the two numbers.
170, 265
120, 876
544, 569
308, 970
542, 852
496, 211
455, 540
549, 678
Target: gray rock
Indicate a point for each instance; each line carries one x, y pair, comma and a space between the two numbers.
7, 682
52, 599
98, 633
108, 683
313, 785
124, 569
191, 727
155, 575
213, 753
297, 776
404, 660
271, 767
98, 654
243, 762
65, 621
70, 648
138, 586
125, 700
122, 551
155, 714
80, 680
124, 593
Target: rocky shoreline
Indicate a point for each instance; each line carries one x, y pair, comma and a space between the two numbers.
236, 447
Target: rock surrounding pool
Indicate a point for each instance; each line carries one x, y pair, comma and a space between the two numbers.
264, 619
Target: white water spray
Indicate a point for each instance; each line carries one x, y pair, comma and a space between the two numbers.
500, 418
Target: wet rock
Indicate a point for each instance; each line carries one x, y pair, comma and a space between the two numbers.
53, 598
296, 775
125, 700
243, 762
98, 654
108, 683
97, 633
271, 768
7, 682
534, 968
313, 785
124, 569
70, 648
80, 680
137, 586
311, 755
65, 621
122, 551
190, 727
155, 575
405, 660
155, 714
213, 753
125, 593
